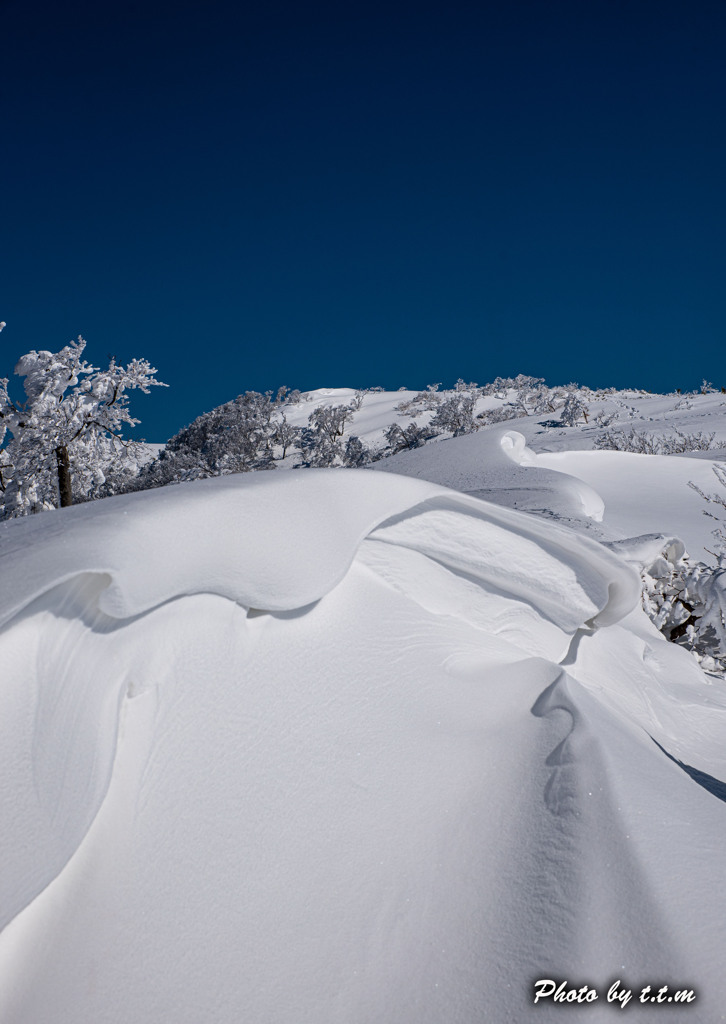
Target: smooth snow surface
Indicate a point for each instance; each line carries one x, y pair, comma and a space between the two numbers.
342, 746
643, 492
496, 465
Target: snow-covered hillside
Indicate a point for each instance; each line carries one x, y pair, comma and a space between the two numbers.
378, 745
608, 412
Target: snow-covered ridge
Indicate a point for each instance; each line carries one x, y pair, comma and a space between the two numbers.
281, 542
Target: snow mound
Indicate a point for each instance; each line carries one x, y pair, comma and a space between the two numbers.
272, 542
342, 746
497, 466
644, 493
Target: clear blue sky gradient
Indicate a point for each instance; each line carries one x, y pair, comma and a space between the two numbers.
356, 194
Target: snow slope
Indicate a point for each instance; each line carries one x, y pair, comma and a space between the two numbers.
629, 494
646, 492
496, 465
328, 746
622, 411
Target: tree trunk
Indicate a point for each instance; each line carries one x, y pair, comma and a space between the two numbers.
64, 476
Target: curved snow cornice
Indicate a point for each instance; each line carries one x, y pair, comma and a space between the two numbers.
280, 541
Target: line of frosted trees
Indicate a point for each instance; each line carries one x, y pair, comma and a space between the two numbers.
64, 442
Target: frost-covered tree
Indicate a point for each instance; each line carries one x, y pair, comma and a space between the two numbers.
64, 442
412, 436
456, 414
330, 420
573, 410
542, 400
284, 435
356, 453
287, 396
320, 443
236, 437
317, 450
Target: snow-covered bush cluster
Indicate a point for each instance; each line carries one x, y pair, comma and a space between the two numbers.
412, 436
425, 401
686, 601
657, 444
520, 395
239, 436
252, 432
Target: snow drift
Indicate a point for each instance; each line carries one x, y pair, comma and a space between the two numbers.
496, 464
343, 746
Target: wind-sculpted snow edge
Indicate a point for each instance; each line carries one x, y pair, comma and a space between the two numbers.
83, 578
268, 541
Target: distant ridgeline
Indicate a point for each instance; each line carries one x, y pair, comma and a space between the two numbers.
77, 422
316, 429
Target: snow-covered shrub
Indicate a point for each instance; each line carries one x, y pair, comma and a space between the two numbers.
642, 443
501, 415
455, 415
284, 435
65, 438
401, 438
329, 420
424, 401
573, 410
633, 441
317, 450
687, 602
501, 386
236, 437
356, 453
320, 443
542, 400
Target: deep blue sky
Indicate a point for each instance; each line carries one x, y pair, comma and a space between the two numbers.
256, 194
